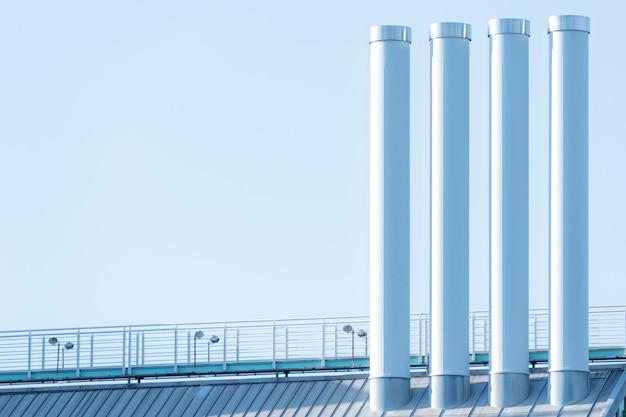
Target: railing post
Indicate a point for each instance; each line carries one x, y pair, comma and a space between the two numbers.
323, 343
30, 351
91, 351
336, 341
137, 349
224, 354
77, 352
188, 346
124, 350
274, 345
473, 317
43, 352
419, 337
534, 332
485, 335
130, 350
237, 345
427, 340
624, 327
424, 330
175, 349
143, 347
286, 342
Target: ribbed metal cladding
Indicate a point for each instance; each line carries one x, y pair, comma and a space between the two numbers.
449, 260
322, 397
389, 217
569, 208
316, 396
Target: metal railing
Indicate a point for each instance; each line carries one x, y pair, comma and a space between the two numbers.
125, 350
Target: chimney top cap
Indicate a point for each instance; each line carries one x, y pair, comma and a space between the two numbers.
569, 22
451, 30
508, 26
390, 33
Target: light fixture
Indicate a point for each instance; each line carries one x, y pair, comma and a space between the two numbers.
199, 334
214, 339
68, 345
347, 328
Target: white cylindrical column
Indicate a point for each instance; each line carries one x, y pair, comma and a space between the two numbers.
390, 386
508, 69
449, 262
569, 201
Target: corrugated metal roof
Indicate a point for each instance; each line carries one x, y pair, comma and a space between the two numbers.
333, 396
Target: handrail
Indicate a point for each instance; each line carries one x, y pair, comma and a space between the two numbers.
188, 347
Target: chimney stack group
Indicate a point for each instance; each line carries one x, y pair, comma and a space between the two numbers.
449, 222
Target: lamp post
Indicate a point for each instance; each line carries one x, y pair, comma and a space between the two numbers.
68, 346
213, 339
197, 335
348, 329
363, 335
55, 342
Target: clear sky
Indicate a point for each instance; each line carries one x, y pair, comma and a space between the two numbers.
177, 161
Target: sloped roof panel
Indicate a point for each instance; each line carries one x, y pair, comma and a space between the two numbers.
261, 397
247, 400
112, 398
189, 395
20, 404
323, 398
214, 399
165, 402
317, 396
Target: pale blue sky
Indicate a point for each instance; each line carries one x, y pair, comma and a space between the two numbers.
166, 161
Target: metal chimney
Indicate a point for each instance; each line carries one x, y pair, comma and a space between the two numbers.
508, 68
569, 201
390, 385
449, 261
